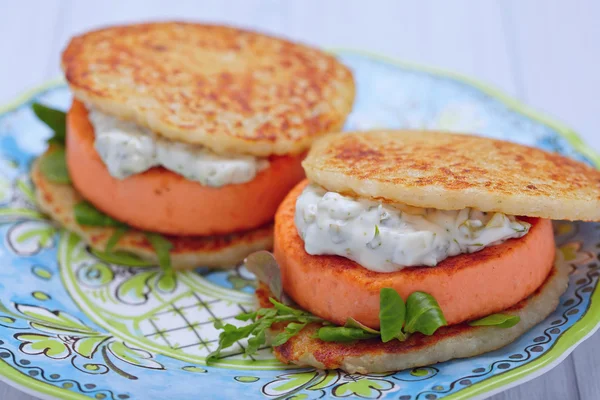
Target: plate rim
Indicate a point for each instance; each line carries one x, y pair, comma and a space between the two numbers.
562, 348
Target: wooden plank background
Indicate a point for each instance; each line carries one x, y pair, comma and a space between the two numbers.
544, 53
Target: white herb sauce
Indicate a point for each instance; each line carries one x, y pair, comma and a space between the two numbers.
127, 149
386, 238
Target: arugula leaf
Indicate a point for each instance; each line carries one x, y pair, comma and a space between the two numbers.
54, 119
266, 312
283, 309
247, 316
115, 237
499, 320
255, 342
54, 166
423, 314
253, 315
162, 247
291, 329
352, 323
265, 267
122, 258
229, 336
261, 320
343, 334
392, 312
87, 214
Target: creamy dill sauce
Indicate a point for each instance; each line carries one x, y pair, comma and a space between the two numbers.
127, 149
387, 238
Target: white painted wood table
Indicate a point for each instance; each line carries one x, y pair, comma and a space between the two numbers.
545, 53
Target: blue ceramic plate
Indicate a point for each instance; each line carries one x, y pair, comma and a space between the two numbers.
73, 326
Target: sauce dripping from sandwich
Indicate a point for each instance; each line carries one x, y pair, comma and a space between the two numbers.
387, 238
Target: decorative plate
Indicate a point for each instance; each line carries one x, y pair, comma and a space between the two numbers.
74, 327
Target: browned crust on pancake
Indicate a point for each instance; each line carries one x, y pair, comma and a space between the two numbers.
457, 341
230, 89
58, 200
453, 171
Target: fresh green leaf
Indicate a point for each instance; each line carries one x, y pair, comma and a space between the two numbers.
498, 320
392, 312
162, 247
342, 334
352, 323
262, 319
87, 214
121, 258
266, 312
54, 166
230, 335
423, 314
247, 316
54, 119
115, 237
292, 329
285, 310
255, 342
265, 267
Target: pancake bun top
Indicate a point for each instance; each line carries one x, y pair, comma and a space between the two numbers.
454, 171
229, 89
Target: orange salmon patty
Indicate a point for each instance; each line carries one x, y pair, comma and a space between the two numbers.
159, 200
467, 286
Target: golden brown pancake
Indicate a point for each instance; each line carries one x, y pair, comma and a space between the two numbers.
456, 341
452, 171
58, 201
229, 89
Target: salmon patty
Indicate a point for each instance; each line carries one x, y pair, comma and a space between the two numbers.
159, 200
467, 286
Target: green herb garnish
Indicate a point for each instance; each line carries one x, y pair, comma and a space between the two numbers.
392, 312
54, 119
376, 241
343, 334
162, 247
262, 319
352, 323
291, 329
54, 166
87, 214
423, 314
115, 237
498, 320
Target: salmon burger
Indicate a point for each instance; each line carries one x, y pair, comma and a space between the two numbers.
407, 248
186, 135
